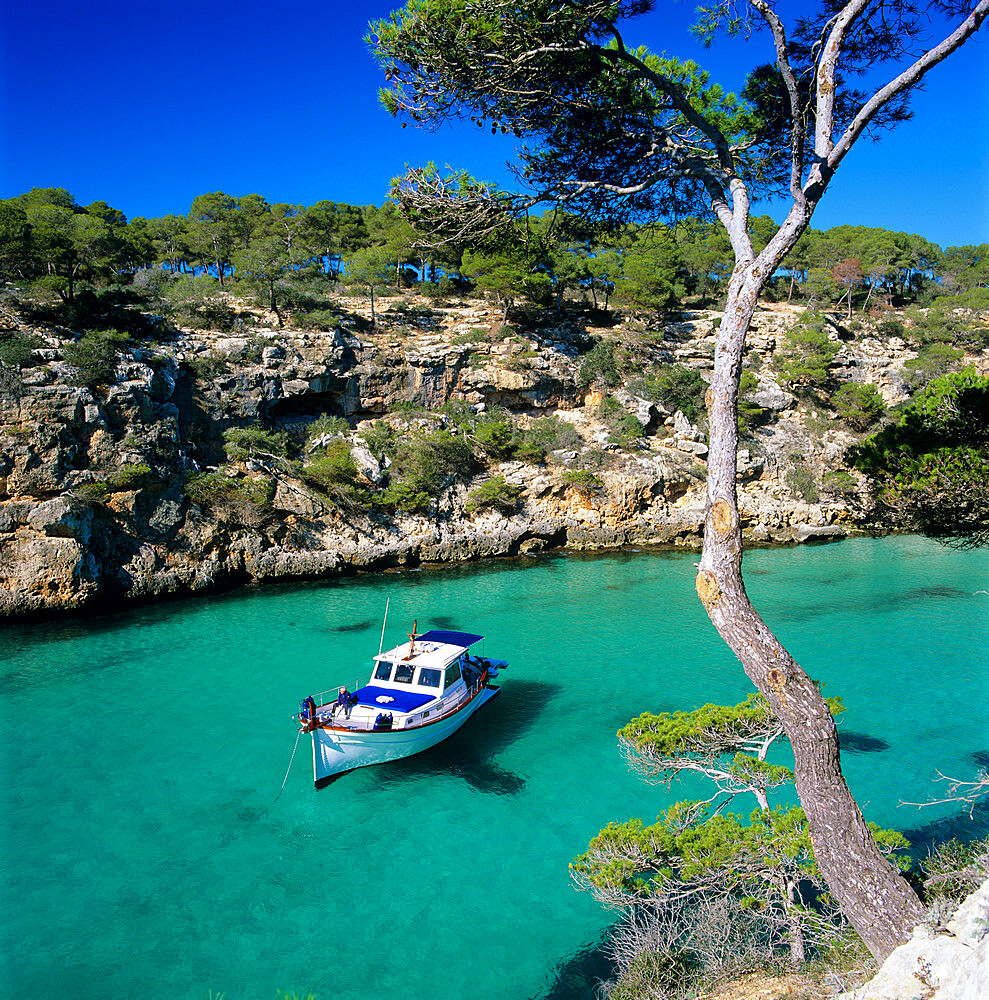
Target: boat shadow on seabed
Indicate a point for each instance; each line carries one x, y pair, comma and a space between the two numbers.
471, 751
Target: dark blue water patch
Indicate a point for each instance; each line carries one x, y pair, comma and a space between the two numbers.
353, 626
962, 825
852, 742
578, 977
443, 622
471, 751
981, 759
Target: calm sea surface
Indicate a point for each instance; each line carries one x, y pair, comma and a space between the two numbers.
141, 754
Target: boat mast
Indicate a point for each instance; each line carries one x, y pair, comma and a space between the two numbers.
383, 624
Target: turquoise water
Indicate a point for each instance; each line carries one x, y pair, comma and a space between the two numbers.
141, 753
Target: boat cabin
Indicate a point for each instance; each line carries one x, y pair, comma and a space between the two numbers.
413, 683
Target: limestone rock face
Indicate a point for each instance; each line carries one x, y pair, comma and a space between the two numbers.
952, 964
77, 527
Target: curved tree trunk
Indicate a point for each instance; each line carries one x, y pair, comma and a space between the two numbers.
879, 903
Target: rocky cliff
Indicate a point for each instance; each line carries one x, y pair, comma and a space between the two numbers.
94, 506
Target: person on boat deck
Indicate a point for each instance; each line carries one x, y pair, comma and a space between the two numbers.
345, 701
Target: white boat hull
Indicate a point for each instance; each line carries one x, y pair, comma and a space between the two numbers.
337, 750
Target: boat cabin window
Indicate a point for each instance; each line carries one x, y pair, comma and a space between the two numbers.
382, 671
430, 678
403, 673
452, 674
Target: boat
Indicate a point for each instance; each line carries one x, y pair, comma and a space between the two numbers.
417, 695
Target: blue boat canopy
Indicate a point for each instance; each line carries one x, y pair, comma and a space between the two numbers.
393, 701
464, 639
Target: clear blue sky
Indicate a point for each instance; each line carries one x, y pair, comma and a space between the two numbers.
147, 105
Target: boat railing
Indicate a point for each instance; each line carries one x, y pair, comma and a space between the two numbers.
318, 698
366, 724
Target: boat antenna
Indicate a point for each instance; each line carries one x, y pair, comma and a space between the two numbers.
383, 624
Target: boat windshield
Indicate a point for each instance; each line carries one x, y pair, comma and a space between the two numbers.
403, 675
430, 678
452, 674
382, 671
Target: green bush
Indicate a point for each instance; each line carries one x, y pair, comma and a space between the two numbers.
653, 974
624, 428
544, 435
95, 358
932, 360
317, 319
402, 496
890, 328
601, 366
748, 413
198, 302
583, 482
130, 477
929, 471
422, 466
17, 351
494, 493
380, 438
217, 491
475, 336
802, 483
954, 870
677, 387
240, 443
859, 404
335, 471
495, 434
208, 365
945, 323
806, 354
839, 483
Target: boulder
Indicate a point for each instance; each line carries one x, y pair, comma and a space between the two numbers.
950, 964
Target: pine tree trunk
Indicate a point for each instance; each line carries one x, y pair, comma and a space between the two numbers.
879, 903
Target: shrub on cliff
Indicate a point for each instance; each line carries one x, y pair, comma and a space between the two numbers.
326, 424
805, 356
858, 404
801, 481
334, 472
95, 358
124, 479
241, 498
624, 428
429, 462
380, 439
545, 435
583, 482
600, 365
932, 360
17, 351
677, 387
496, 494
402, 496
199, 303
494, 434
929, 472
241, 443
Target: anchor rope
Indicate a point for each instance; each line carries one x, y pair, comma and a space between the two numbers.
291, 759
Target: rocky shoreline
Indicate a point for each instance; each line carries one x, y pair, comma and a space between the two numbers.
65, 548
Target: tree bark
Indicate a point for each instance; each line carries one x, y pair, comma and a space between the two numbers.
879, 903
